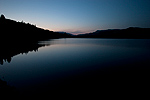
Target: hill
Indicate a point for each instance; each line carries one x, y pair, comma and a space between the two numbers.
24, 32
129, 33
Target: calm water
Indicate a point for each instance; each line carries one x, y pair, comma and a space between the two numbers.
77, 63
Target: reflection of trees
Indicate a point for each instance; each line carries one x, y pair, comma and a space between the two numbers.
7, 52
5, 59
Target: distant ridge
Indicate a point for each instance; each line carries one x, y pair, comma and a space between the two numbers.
128, 33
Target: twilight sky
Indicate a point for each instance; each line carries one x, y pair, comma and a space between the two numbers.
79, 16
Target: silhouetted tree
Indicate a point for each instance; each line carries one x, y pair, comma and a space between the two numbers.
2, 16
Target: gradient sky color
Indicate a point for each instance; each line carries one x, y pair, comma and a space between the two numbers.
79, 16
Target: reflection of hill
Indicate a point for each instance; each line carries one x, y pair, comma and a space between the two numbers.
132, 32
9, 50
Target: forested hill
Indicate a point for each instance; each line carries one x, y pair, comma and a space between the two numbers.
129, 33
20, 37
13, 31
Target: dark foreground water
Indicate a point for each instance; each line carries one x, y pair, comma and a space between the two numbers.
76, 66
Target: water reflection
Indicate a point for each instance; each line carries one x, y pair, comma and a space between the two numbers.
82, 65
7, 51
129, 43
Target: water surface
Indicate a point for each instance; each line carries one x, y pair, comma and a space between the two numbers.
78, 64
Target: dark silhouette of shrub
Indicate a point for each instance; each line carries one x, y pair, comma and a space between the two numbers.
2, 16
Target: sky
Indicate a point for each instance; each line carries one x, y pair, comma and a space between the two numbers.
79, 16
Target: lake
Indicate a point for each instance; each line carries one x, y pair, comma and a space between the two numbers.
79, 64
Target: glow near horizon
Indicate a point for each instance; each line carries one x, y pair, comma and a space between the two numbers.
79, 16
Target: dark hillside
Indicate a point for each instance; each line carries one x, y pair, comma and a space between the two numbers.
13, 31
129, 33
